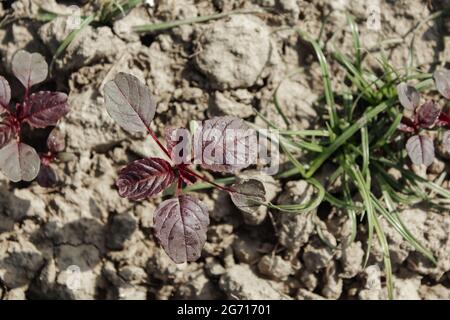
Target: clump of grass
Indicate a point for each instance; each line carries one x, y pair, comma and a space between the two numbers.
361, 144
360, 140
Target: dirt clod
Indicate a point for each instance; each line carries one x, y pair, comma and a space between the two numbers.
233, 52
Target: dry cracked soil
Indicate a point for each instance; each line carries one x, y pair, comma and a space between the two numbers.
83, 230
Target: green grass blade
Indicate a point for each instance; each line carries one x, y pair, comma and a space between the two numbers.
305, 133
413, 177
386, 256
172, 24
45, 15
294, 161
390, 132
356, 42
296, 144
366, 150
350, 211
303, 207
204, 185
350, 131
329, 96
276, 102
63, 46
364, 191
394, 220
115, 8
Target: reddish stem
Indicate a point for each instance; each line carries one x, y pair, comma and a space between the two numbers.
444, 119
164, 149
184, 168
188, 170
179, 185
19, 107
48, 158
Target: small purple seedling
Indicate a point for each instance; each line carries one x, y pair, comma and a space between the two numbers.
420, 147
180, 223
18, 160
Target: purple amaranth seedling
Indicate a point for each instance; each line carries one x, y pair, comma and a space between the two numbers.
180, 223
427, 116
18, 160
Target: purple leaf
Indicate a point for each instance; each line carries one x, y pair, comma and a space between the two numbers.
442, 79
29, 68
5, 94
7, 130
129, 103
428, 114
47, 177
55, 141
144, 178
44, 109
19, 161
180, 226
420, 150
226, 144
409, 97
249, 195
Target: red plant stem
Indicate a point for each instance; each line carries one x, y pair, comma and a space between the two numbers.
26, 97
188, 170
179, 184
150, 132
185, 169
48, 158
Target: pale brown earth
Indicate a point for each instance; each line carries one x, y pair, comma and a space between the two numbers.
223, 67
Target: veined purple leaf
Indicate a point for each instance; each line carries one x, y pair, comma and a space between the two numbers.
226, 144
249, 195
47, 177
7, 131
44, 109
129, 103
19, 161
55, 141
180, 226
29, 68
428, 114
409, 97
442, 80
420, 150
144, 178
5, 94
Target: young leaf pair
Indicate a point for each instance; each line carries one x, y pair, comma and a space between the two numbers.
420, 147
18, 160
180, 223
